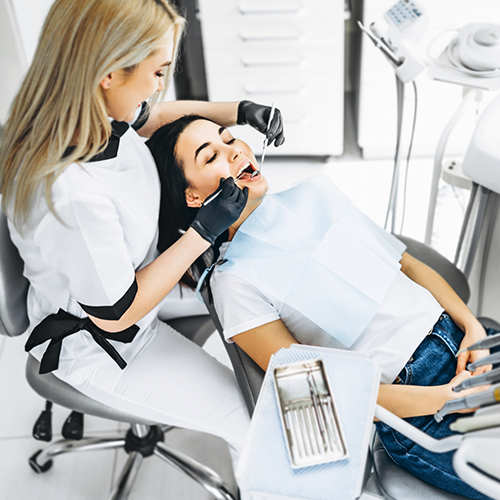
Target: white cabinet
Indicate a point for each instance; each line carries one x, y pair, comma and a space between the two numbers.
290, 52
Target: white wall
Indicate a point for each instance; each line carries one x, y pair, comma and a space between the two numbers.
12, 58
20, 25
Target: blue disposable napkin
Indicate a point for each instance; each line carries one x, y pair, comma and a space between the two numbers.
312, 249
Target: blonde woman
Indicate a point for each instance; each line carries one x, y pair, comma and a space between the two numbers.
81, 193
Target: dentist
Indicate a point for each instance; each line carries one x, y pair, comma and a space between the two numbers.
82, 196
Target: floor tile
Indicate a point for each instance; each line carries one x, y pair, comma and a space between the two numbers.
76, 476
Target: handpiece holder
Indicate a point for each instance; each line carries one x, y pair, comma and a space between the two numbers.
402, 28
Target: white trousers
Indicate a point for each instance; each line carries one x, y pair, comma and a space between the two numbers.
173, 381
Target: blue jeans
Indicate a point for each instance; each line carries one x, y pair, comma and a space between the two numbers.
433, 363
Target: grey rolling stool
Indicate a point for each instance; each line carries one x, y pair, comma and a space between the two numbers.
143, 439
390, 481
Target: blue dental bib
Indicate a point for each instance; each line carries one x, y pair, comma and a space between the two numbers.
313, 250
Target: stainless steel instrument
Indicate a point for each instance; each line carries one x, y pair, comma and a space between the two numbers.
310, 422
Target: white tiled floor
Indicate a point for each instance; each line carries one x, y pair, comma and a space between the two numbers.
90, 475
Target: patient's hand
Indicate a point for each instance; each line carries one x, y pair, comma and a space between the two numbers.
473, 333
449, 394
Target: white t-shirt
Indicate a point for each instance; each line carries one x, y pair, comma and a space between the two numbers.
109, 208
408, 312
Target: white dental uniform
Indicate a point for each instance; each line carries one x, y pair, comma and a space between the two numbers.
109, 207
407, 313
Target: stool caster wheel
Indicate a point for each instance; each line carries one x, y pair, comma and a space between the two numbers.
73, 427
39, 469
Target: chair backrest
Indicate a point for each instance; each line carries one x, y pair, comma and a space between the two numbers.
250, 376
248, 373
455, 278
13, 286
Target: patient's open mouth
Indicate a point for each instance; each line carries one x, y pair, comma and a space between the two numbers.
245, 174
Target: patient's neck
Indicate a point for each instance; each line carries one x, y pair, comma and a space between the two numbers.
250, 207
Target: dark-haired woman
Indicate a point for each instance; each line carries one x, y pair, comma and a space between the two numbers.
413, 333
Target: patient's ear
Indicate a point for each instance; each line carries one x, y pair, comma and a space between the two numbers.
192, 199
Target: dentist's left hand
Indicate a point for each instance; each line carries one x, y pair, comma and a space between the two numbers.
215, 217
257, 116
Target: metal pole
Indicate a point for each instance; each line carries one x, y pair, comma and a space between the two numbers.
438, 160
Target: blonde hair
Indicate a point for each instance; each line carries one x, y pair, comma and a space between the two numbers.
61, 102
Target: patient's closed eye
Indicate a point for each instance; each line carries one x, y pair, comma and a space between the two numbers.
214, 156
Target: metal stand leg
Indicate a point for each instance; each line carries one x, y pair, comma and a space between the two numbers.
465, 223
123, 487
205, 476
438, 160
89, 444
484, 195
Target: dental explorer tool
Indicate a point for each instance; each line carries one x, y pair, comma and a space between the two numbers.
264, 144
486, 343
488, 360
492, 377
212, 198
318, 408
486, 398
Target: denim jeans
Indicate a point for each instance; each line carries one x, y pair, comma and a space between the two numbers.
433, 363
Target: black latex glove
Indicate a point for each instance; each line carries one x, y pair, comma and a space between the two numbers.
257, 117
213, 219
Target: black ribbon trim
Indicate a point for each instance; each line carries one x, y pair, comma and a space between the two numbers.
142, 118
111, 151
115, 311
57, 327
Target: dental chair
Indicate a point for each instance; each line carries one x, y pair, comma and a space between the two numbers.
389, 481
143, 439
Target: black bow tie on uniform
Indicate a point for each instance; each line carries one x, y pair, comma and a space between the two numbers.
111, 151
57, 327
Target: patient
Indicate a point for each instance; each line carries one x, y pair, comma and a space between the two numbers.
413, 333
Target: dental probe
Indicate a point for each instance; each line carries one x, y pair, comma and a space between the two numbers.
491, 377
264, 144
488, 360
487, 398
212, 198
486, 343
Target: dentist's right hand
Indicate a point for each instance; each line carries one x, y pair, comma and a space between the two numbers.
215, 217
